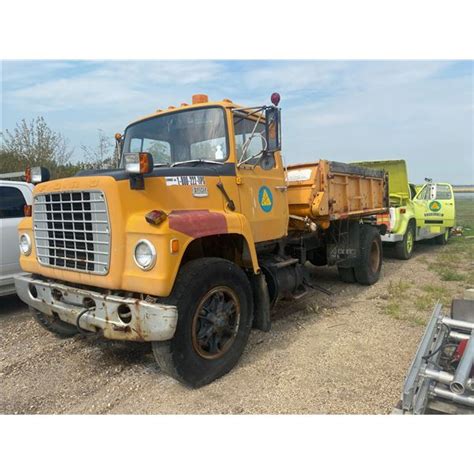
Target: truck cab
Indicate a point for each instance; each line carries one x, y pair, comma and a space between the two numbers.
417, 212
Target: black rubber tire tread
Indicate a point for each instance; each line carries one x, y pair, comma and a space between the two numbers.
177, 357
54, 324
441, 239
363, 272
401, 252
347, 275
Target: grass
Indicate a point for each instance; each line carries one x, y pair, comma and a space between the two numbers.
396, 291
454, 262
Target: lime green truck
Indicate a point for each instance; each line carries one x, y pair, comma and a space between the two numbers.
417, 212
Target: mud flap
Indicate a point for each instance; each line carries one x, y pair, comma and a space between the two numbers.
261, 303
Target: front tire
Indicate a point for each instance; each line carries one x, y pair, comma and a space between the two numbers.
54, 324
404, 248
215, 313
367, 272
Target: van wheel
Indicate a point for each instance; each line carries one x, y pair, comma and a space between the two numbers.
367, 272
347, 275
54, 324
443, 238
215, 312
404, 248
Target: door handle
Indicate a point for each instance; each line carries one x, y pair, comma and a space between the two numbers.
281, 188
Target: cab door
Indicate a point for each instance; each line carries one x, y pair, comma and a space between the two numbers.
444, 203
421, 202
261, 182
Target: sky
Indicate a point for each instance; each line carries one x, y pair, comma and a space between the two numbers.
421, 111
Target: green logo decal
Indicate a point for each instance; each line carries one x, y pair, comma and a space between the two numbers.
435, 206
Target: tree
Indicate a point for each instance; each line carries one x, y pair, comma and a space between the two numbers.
35, 144
104, 155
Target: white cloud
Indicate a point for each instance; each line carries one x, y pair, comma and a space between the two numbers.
341, 110
107, 84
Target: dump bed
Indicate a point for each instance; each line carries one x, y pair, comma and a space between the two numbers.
328, 190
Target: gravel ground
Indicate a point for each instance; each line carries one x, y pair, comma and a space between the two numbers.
325, 354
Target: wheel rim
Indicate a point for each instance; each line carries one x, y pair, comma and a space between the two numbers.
216, 322
374, 260
410, 241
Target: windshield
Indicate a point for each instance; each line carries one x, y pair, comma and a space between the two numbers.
196, 134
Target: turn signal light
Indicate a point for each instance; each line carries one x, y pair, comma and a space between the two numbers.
156, 217
174, 245
403, 210
27, 210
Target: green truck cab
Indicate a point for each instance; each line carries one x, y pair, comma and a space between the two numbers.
417, 212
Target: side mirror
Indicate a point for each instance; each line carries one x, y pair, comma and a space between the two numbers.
272, 129
37, 174
138, 163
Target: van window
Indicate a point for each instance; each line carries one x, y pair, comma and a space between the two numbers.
11, 202
443, 191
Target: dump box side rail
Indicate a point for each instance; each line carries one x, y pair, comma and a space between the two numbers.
328, 191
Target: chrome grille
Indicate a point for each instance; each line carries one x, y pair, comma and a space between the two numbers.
72, 231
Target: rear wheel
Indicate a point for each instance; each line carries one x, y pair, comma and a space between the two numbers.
54, 324
443, 238
215, 312
367, 272
404, 248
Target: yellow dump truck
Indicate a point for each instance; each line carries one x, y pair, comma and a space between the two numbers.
198, 233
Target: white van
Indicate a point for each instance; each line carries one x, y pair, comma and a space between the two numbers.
14, 195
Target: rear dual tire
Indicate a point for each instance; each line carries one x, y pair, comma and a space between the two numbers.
367, 271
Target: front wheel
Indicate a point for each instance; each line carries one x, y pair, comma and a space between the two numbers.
215, 312
367, 271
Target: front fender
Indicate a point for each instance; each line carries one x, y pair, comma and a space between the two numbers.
186, 227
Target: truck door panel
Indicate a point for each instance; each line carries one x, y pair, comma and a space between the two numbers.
263, 196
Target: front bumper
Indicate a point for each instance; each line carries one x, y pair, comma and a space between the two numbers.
117, 317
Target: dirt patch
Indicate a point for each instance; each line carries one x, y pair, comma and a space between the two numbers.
346, 353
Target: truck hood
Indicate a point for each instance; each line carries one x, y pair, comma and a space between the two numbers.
397, 175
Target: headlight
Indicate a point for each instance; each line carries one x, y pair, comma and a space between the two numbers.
145, 255
25, 244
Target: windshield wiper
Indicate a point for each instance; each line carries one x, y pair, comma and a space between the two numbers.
196, 162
